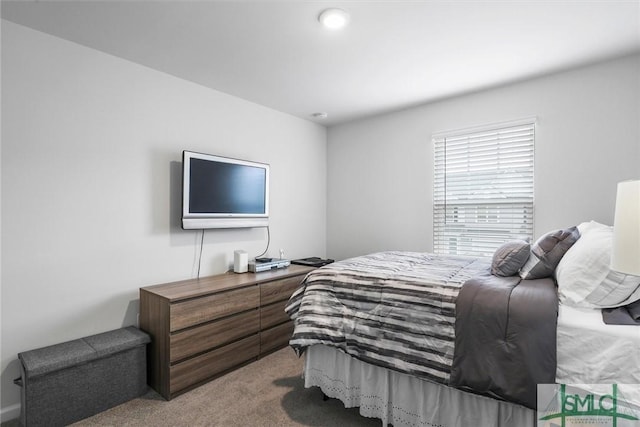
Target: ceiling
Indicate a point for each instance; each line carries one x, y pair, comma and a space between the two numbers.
392, 55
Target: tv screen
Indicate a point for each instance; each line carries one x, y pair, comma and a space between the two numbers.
219, 192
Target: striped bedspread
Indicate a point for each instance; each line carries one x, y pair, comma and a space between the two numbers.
391, 309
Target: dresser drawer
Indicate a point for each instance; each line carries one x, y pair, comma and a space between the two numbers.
275, 337
195, 311
213, 334
208, 365
279, 290
273, 314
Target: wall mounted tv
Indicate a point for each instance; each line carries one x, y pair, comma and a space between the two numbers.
219, 192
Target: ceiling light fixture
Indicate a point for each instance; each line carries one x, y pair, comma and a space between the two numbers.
320, 116
333, 18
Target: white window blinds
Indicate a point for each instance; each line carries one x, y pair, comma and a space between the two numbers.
483, 188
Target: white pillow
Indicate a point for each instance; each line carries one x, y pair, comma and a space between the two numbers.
583, 274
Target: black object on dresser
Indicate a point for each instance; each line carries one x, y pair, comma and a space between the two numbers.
312, 261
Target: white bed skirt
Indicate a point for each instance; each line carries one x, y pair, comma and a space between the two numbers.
403, 400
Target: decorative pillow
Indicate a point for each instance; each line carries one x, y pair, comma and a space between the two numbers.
584, 277
509, 258
547, 252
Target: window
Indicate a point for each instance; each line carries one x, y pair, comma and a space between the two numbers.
483, 188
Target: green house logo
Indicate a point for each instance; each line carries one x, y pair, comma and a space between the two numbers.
579, 407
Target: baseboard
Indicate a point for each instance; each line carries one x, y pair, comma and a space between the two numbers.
9, 413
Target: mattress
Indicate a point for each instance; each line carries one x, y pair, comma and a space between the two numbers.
592, 352
589, 352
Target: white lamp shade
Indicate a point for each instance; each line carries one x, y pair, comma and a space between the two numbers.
625, 256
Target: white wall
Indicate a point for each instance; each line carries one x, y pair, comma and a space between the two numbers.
91, 185
380, 171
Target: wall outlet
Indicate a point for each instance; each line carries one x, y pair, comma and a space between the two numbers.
281, 253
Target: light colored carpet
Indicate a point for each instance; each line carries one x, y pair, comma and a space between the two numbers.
268, 392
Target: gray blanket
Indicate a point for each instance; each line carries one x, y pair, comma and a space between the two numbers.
505, 337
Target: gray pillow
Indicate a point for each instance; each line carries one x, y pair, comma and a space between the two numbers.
547, 252
510, 257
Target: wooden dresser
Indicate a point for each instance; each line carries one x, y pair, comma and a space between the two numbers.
201, 328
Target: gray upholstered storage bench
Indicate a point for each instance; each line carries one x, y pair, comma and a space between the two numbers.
67, 382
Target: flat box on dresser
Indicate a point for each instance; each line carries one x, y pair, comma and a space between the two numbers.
67, 382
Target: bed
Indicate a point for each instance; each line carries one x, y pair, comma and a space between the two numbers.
419, 339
